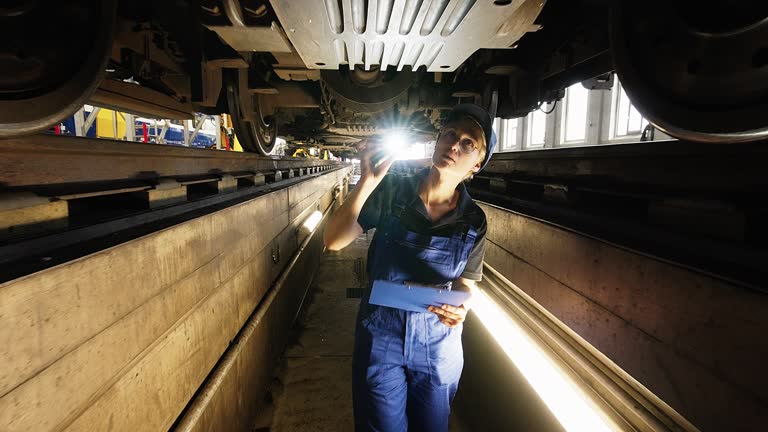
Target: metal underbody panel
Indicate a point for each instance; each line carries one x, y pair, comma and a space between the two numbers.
437, 34
261, 39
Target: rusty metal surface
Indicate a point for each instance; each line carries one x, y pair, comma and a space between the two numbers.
47, 159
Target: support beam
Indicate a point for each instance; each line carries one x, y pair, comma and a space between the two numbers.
130, 127
200, 121
166, 192
80, 122
186, 132
114, 125
89, 121
161, 138
140, 100
227, 183
256, 179
217, 122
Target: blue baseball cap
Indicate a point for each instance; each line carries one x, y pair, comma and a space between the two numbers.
483, 118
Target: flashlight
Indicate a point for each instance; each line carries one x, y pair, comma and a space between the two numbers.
393, 145
395, 142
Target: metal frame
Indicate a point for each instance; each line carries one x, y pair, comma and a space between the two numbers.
80, 121
161, 137
200, 120
130, 126
91, 118
157, 129
217, 123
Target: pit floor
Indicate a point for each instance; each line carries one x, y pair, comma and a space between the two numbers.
312, 388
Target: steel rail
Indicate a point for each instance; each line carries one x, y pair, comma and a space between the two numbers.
28, 254
49, 159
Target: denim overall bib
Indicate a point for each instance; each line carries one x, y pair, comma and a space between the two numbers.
406, 365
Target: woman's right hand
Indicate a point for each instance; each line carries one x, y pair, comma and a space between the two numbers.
343, 226
371, 151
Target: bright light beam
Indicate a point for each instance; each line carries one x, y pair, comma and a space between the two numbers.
313, 220
566, 401
395, 143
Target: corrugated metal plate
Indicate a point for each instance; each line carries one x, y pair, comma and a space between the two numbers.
438, 34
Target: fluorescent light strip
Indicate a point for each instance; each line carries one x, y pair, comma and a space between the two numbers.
313, 220
567, 402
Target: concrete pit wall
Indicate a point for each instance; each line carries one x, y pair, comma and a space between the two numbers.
695, 341
123, 339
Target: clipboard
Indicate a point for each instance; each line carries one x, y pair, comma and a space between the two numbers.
414, 297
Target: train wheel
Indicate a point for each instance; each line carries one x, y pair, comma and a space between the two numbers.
697, 73
41, 83
255, 130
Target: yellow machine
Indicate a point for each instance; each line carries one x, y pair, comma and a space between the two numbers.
312, 153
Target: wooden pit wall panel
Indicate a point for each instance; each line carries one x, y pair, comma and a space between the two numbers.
122, 338
231, 400
697, 342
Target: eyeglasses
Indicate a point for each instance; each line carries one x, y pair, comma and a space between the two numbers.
466, 145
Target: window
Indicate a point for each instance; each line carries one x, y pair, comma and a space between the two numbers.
574, 124
508, 137
537, 126
506, 134
627, 120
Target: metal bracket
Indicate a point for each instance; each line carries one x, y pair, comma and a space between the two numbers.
276, 253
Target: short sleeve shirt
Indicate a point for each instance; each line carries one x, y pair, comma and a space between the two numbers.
380, 204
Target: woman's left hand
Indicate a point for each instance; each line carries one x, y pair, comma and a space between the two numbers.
449, 315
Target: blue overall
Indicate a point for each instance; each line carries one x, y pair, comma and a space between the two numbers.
406, 365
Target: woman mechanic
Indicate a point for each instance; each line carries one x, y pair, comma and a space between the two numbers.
406, 365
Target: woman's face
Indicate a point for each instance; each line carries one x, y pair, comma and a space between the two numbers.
457, 151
